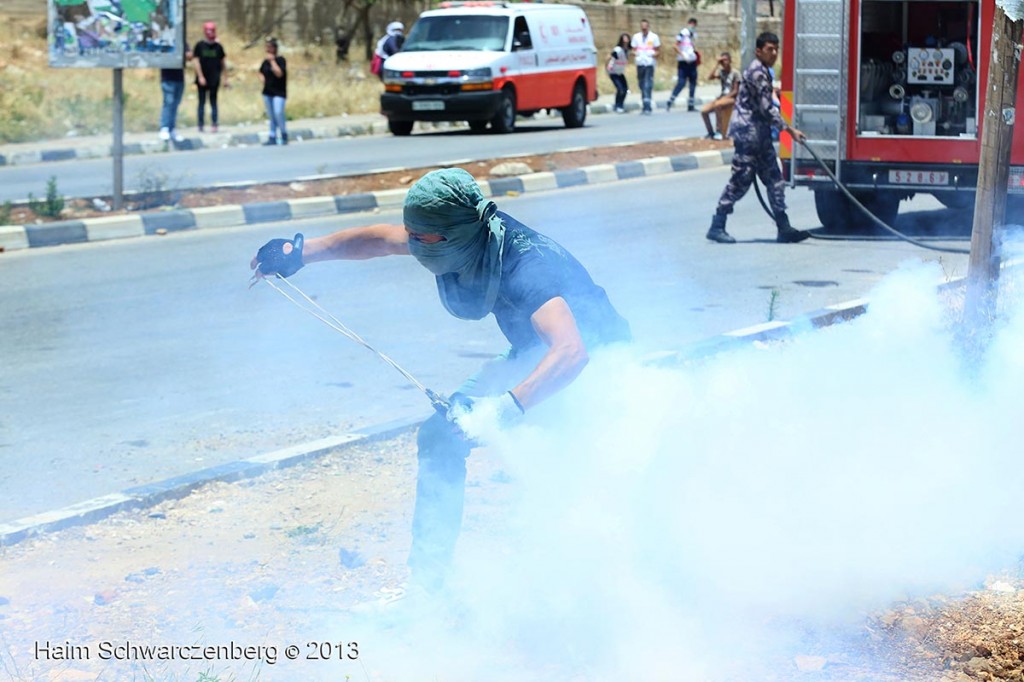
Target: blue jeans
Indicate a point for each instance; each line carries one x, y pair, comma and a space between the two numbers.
687, 71
441, 477
621, 88
275, 112
645, 74
172, 92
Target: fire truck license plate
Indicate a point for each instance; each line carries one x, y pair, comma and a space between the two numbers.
431, 105
907, 177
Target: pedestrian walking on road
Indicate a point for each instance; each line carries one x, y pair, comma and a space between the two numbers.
172, 87
211, 73
722, 105
484, 262
751, 132
274, 75
687, 61
617, 72
645, 44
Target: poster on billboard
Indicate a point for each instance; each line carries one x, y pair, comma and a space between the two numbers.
144, 34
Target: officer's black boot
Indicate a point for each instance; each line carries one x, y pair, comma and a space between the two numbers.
717, 232
787, 233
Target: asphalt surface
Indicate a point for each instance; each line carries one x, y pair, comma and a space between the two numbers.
135, 360
332, 156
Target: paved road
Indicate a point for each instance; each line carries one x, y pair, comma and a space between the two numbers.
131, 361
344, 156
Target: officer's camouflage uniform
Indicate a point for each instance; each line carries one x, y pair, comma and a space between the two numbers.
751, 132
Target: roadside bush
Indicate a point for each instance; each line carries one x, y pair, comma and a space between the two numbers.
52, 205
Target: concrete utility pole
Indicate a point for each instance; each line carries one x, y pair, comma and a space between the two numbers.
994, 165
748, 32
118, 147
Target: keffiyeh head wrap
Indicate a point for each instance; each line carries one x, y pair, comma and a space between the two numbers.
467, 263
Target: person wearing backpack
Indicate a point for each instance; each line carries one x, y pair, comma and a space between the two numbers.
687, 61
617, 71
389, 44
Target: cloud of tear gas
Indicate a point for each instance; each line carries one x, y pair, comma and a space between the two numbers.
665, 510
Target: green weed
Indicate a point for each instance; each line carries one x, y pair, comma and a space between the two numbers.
52, 205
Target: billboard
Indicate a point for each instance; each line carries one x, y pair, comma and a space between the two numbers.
116, 33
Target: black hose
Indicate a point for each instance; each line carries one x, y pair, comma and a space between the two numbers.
869, 214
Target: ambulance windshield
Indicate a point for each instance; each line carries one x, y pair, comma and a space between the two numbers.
457, 32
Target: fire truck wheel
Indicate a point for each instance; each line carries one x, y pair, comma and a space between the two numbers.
838, 214
402, 128
576, 113
505, 120
956, 200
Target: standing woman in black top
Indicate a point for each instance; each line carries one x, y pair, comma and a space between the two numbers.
274, 74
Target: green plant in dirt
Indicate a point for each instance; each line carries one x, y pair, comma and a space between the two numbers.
204, 677
156, 187
52, 205
5, 213
773, 302
304, 530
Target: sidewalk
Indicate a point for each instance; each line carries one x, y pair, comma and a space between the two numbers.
159, 222
100, 146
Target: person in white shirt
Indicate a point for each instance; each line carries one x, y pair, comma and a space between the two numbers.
645, 46
687, 61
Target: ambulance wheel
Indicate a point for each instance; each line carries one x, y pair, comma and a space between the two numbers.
576, 113
402, 128
477, 126
505, 120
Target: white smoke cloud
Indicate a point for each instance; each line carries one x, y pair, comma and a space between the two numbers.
666, 516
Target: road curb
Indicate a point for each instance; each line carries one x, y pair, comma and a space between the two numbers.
312, 131
177, 487
18, 237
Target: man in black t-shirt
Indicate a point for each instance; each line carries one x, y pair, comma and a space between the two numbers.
274, 75
485, 262
211, 73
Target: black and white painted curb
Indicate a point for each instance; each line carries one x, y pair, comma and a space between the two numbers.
160, 222
245, 139
144, 496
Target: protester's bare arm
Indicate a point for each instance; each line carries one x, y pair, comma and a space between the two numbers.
200, 78
565, 359
358, 243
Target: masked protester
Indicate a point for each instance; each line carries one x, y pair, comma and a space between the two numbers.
211, 72
484, 262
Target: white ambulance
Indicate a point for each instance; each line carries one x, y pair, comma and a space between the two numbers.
484, 62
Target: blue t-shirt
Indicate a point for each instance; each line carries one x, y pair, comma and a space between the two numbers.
536, 269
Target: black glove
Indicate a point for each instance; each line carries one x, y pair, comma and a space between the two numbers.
272, 260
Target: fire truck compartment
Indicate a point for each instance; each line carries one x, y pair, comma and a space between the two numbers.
917, 69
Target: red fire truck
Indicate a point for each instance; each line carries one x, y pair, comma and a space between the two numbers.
890, 94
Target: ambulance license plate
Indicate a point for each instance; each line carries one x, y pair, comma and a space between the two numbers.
429, 105
913, 177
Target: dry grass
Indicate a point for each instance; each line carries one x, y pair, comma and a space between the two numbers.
44, 103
